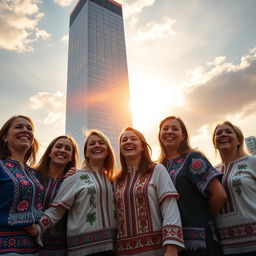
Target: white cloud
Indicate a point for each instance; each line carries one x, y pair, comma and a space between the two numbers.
19, 24
53, 105
63, 3
133, 8
64, 39
156, 30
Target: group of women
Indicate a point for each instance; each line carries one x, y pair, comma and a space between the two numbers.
180, 205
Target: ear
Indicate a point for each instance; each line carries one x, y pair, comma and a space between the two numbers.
4, 138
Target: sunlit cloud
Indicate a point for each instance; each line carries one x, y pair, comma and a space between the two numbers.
132, 8
19, 21
156, 30
63, 3
53, 105
64, 39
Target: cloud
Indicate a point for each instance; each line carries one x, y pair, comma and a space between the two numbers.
133, 8
63, 3
154, 30
53, 105
19, 24
64, 39
219, 90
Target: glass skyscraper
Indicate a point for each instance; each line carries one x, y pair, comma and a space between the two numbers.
97, 84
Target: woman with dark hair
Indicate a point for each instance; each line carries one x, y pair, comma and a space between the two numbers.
236, 222
21, 194
201, 193
58, 161
87, 195
148, 219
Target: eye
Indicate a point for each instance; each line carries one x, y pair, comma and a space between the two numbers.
29, 128
101, 142
124, 139
68, 148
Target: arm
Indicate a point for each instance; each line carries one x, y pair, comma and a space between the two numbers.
171, 250
218, 196
70, 172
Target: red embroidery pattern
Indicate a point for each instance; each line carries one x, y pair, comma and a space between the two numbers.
172, 232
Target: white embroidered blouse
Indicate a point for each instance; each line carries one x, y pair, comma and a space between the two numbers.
147, 213
236, 222
91, 225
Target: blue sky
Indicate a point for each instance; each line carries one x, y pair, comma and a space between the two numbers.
195, 59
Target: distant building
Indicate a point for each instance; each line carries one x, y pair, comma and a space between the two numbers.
97, 83
251, 144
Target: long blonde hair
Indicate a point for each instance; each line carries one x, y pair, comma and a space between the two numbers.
109, 163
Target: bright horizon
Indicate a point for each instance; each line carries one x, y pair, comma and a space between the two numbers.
195, 59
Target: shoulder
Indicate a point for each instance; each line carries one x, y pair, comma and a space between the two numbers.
160, 170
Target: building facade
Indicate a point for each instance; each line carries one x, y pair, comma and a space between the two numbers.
251, 144
97, 83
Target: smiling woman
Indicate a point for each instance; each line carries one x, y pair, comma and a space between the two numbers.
21, 197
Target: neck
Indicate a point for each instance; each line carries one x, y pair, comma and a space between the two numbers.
56, 171
133, 161
171, 154
98, 165
17, 156
227, 157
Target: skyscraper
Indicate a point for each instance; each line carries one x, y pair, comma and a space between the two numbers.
97, 84
251, 144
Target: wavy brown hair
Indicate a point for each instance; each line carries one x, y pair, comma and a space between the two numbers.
109, 163
30, 156
184, 146
44, 163
146, 164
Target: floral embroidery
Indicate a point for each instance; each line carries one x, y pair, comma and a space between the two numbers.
242, 166
236, 183
22, 206
91, 217
197, 166
9, 164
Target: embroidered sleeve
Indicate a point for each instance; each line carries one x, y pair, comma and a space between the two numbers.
200, 172
163, 183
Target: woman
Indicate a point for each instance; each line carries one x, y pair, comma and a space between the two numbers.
88, 197
58, 161
148, 219
236, 222
21, 194
201, 193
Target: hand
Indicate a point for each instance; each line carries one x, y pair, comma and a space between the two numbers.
70, 172
32, 230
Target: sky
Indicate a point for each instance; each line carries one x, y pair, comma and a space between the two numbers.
194, 59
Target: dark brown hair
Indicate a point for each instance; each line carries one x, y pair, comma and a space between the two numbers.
44, 163
146, 162
30, 155
184, 146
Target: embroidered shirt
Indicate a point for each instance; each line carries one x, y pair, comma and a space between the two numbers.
21, 204
54, 239
88, 198
191, 174
147, 214
236, 222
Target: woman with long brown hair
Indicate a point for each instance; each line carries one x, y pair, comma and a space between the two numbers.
148, 219
58, 162
21, 194
201, 192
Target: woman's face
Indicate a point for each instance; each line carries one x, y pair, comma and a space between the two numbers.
171, 134
96, 149
225, 138
61, 152
130, 145
20, 135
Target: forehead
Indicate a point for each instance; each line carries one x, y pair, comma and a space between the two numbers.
63, 141
94, 137
171, 122
20, 120
129, 133
224, 127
